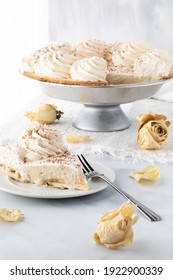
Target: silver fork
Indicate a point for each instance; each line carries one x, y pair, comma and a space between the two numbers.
91, 173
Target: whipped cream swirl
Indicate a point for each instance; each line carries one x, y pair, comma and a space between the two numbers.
128, 52
55, 46
87, 48
28, 62
115, 46
42, 141
55, 64
156, 63
89, 69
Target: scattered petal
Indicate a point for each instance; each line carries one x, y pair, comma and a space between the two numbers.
73, 138
150, 173
10, 216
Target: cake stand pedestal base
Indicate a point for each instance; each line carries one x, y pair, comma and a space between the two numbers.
101, 118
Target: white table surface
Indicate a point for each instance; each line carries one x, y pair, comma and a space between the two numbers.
63, 228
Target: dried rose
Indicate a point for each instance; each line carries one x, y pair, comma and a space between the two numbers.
45, 114
115, 227
153, 131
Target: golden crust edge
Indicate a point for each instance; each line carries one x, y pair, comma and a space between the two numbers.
63, 81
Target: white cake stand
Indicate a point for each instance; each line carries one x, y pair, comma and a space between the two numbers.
101, 105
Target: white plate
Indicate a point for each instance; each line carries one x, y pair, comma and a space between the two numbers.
31, 190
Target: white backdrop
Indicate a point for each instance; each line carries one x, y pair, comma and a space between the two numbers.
27, 25
23, 27
144, 20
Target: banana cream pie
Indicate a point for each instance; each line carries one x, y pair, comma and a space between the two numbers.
97, 63
42, 159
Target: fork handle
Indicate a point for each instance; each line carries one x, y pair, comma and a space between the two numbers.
148, 213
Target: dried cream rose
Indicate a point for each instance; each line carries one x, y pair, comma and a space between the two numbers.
10, 216
153, 131
45, 114
73, 138
150, 173
115, 227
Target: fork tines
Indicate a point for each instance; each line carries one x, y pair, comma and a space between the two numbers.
86, 166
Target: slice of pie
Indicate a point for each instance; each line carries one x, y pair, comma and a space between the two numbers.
61, 170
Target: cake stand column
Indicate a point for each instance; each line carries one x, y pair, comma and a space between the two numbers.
100, 118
